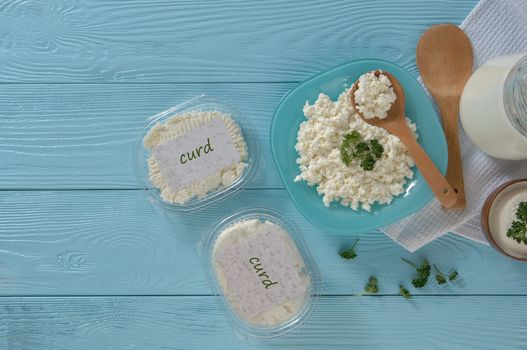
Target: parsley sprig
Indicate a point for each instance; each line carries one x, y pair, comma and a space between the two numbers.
441, 278
354, 147
372, 286
452, 276
404, 292
518, 228
423, 273
349, 253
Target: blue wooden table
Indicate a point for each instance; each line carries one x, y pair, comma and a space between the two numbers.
86, 262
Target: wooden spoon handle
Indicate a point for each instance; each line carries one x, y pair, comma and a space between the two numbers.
449, 108
439, 185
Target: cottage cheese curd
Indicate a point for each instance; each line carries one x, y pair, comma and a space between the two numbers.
178, 126
320, 163
248, 273
374, 96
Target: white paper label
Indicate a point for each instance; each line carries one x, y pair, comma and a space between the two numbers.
197, 154
260, 272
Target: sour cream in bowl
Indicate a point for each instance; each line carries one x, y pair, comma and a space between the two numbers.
504, 219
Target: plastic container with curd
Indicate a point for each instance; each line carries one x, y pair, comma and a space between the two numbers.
266, 279
194, 154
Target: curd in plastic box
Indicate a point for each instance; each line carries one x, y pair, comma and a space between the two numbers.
263, 272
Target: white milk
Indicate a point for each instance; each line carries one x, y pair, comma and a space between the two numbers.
486, 105
503, 213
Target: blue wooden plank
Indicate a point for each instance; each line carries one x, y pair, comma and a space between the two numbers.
156, 323
115, 243
203, 41
82, 136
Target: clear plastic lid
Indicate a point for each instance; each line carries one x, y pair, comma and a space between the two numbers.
194, 154
266, 279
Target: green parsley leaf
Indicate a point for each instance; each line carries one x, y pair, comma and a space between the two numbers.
521, 212
404, 292
361, 149
518, 228
423, 273
367, 163
372, 286
353, 136
349, 253
452, 276
440, 277
518, 231
376, 149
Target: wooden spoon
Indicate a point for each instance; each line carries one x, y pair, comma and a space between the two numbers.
395, 123
444, 58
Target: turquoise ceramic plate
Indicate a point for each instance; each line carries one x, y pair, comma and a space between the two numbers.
337, 218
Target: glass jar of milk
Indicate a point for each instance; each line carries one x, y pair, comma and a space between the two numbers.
493, 108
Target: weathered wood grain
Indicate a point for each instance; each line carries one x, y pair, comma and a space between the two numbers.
82, 136
482, 323
56, 134
204, 41
117, 243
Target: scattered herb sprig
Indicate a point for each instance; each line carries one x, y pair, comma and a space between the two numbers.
404, 292
440, 277
372, 286
349, 253
453, 276
518, 228
423, 273
354, 147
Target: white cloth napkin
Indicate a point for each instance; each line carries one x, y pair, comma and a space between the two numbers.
495, 28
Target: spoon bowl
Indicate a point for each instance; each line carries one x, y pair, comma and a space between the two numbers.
444, 58
396, 124
396, 114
